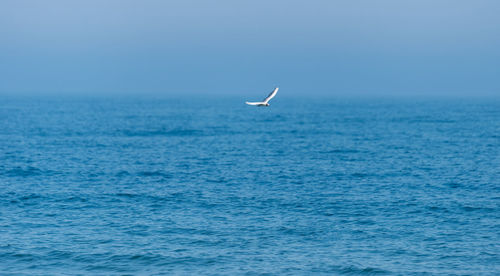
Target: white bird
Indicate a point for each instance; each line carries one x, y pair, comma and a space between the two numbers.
265, 102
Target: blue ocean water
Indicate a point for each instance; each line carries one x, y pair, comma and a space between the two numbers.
156, 186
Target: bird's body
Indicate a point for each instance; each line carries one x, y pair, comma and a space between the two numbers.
265, 102
257, 103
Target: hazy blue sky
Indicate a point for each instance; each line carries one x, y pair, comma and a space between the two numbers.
445, 47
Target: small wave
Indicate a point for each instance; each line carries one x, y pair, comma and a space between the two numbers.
218, 180
154, 199
148, 259
127, 195
352, 270
453, 185
24, 172
29, 197
163, 132
19, 257
25, 199
342, 151
122, 173
422, 119
72, 199
155, 173
437, 209
360, 175
58, 254
217, 130
477, 209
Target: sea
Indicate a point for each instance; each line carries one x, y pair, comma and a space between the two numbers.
199, 185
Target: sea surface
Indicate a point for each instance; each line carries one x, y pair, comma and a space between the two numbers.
210, 186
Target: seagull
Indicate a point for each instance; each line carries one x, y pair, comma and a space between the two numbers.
265, 102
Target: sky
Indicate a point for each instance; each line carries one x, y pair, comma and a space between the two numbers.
346, 47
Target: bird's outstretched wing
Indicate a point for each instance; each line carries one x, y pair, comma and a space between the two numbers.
271, 95
253, 103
